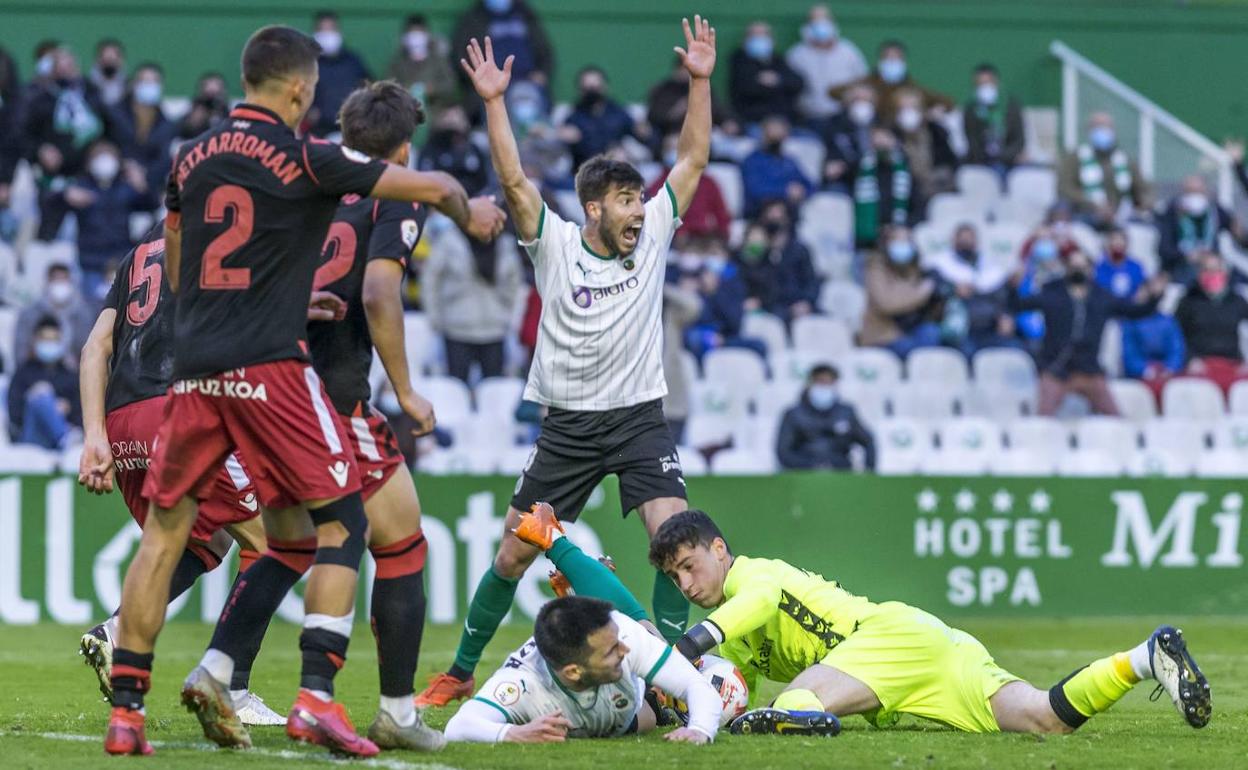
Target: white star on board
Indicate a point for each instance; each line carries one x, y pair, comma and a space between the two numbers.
927, 500
1040, 501
964, 501
1002, 501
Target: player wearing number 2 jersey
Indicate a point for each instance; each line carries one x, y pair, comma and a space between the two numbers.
249, 206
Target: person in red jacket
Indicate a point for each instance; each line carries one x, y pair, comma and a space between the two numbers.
708, 215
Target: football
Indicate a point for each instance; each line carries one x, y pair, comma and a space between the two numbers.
730, 685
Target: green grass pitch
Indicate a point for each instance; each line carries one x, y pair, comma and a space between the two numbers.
51, 714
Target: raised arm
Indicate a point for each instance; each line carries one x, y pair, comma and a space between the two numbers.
478, 217
95, 468
523, 198
693, 151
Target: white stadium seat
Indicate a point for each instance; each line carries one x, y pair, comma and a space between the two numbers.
1152, 461
418, 341
1238, 400
1090, 463
27, 458
513, 460
709, 430
926, 400
1222, 464
1189, 437
1192, 398
8, 323
872, 367
1034, 184
1012, 368
456, 460
728, 177
966, 446
979, 183
741, 370
1001, 243
937, 366
778, 395
451, 399
955, 462
1142, 245
766, 327
794, 365
829, 337
1231, 433
1106, 434
829, 212
844, 300
1135, 401
808, 153
719, 398
954, 209
1038, 434
901, 445
1022, 462
692, 463
758, 433
742, 462
870, 403
1018, 211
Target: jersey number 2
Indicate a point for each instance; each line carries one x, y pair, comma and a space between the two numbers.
342, 240
214, 275
147, 276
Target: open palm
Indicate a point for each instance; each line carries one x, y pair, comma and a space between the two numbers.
489, 81
698, 55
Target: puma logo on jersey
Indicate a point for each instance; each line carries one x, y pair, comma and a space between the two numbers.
673, 624
339, 471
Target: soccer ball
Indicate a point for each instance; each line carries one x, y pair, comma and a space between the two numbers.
730, 685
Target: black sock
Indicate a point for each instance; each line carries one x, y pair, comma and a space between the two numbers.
131, 677
189, 568
398, 620
324, 652
245, 618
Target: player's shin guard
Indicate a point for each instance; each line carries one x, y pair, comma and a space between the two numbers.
590, 577
131, 678
671, 608
349, 512
489, 606
398, 612
246, 558
324, 646
1092, 689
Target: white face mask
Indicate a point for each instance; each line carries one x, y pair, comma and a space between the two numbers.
862, 113
909, 119
986, 94
892, 70
417, 43
330, 41
148, 92
49, 351
821, 396
1195, 203
104, 167
60, 292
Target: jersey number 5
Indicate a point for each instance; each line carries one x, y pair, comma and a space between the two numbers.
212, 274
148, 277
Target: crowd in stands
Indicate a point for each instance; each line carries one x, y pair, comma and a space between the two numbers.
813, 142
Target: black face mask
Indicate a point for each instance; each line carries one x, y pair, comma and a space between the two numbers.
109, 70
1077, 278
967, 254
65, 83
773, 228
591, 98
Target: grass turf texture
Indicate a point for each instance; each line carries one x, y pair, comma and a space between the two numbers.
49, 698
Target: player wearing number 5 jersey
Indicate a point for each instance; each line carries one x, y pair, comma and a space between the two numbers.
598, 362
249, 207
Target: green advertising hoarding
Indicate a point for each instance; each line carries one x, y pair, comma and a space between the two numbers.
956, 547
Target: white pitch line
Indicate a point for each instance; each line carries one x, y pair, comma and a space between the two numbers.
388, 764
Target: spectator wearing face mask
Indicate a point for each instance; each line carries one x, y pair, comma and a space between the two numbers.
514, 30
903, 301
776, 267
422, 65
722, 290
450, 150
925, 144
668, 101
892, 72
1117, 272
847, 137
597, 123
1075, 313
108, 73
44, 408
760, 83
821, 430
707, 215
769, 174
341, 72
1099, 179
977, 314
1043, 261
140, 127
10, 141
1190, 226
825, 60
209, 105
44, 62
681, 307
544, 156
62, 301
1209, 315
993, 123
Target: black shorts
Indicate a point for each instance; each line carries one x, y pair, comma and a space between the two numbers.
577, 450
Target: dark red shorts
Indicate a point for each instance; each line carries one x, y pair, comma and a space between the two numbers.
276, 415
131, 432
376, 447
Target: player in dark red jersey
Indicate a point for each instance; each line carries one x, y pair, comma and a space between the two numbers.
363, 263
249, 207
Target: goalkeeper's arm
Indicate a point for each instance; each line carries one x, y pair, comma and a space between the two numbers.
750, 608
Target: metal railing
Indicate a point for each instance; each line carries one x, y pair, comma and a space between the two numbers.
1167, 149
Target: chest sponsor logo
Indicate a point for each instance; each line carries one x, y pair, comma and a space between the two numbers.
507, 694
585, 296
339, 471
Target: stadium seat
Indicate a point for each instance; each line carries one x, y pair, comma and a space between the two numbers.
570, 206
26, 458
38, 256
651, 171
954, 462
1231, 434
419, 342
1012, 368
451, 399
692, 463
1154, 461
1034, 184
1044, 435
1238, 400
844, 300
872, 367
807, 152
778, 395
829, 337
456, 460
513, 460
1107, 434
1192, 398
1090, 463
966, 447
741, 370
794, 365
937, 366
689, 362
1088, 239
766, 327
997, 403
1222, 464
703, 431
68, 460
8, 323
926, 400
1001, 243
728, 177
718, 398
742, 462
1142, 245
901, 445
1022, 462
870, 403
1018, 211
1110, 354
758, 433
1135, 401
829, 212
979, 183
1190, 437
931, 238
953, 209
499, 396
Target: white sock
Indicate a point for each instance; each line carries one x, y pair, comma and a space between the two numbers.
340, 625
220, 665
401, 709
239, 697
322, 695
1141, 662
110, 627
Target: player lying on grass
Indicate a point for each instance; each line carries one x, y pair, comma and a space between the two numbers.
585, 672
365, 253
841, 654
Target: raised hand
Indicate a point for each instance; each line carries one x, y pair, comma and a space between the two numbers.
698, 55
489, 81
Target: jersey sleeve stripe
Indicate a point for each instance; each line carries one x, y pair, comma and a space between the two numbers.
671, 194
308, 167
501, 710
667, 653
541, 222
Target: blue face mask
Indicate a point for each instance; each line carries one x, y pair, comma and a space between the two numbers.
901, 252
821, 397
759, 47
148, 92
1102, 138
821, 31
1044, 250
498, 6
892, 70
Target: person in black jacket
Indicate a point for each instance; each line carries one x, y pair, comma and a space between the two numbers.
342, 70
1209, 315
993, 123
820, 431
10, 139
760, 82
43, 396
1075, 312
140, 128
1190, 226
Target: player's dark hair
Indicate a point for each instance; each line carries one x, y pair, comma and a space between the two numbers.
48, 322
563, 627
822, 369
275, 52
378, 118
597, 175
692, 528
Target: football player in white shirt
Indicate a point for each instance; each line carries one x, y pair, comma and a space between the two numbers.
598, 363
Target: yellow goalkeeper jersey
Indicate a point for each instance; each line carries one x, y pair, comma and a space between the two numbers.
778, 620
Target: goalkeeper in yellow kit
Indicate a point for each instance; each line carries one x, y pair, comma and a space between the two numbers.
841, 654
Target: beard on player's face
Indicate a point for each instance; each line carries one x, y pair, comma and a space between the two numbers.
619, 223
